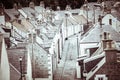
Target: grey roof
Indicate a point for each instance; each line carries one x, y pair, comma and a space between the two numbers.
14, 54
69, 22
14, 75
116, 15
30, 12
94, 34
80, 19
40, 66
12, 13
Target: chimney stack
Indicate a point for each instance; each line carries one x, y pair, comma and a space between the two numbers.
106, 36
15, 6
107, 43
32, 5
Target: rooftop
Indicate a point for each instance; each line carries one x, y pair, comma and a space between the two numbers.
94, 34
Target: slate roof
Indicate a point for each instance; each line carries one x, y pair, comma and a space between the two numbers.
27, 24
80, 19
14, 75
94, 34
29, 11
12, 13
116, 15
90, 65
14, 54
40, 66
69, 21
19, 26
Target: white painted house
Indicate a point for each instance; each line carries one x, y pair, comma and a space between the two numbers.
4, 63
109, 19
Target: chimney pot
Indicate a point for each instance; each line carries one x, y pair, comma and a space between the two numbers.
109, 36
104, 35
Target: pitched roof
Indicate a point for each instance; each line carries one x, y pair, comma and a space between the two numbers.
40, 66
116, 15
94, 34
19, 26
13, 14
14, 75
14, 54
80, 19
29, 11
90, 65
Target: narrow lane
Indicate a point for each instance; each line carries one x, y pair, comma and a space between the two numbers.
67, 67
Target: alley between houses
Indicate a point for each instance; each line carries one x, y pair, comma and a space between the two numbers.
66, 69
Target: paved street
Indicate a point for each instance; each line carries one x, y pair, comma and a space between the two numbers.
67, 67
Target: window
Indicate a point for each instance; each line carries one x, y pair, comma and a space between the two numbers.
110, 21
100, 78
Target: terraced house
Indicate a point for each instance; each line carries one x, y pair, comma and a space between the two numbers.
39, 43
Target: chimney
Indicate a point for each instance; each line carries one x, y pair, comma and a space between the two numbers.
19, 6
106, 41
104, 36
15, 6
110, 45
32, 5
58, 8
1, 9
42, 4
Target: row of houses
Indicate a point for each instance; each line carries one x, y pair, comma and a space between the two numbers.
37, 35
38, 38
99, 49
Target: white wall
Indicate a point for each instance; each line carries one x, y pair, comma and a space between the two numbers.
84, 46
29, 66
54, 48
2, 20
115, 22
71, 30
4, 63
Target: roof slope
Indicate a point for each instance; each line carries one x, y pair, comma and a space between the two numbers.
14, 55
90, 65
94, 34
40, 61
80, 19
14, 75
13, 14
